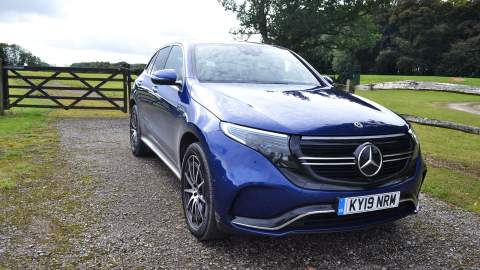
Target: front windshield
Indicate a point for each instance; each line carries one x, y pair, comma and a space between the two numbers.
249, 63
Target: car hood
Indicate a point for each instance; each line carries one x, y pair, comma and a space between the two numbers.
297, 109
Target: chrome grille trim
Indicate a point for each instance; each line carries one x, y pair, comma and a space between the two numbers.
353, 137
327, 164
396, 159
332, 159
398, 154
326, 158
385, 159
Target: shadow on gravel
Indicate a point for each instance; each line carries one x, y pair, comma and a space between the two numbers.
142, 223
369, 247
413, 242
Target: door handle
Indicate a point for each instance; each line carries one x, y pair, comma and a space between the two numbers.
139, 82
155, 90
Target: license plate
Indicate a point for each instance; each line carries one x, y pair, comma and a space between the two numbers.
354, 205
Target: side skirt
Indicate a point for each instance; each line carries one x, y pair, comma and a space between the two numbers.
160, 154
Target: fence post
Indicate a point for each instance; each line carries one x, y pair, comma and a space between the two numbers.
350, 88
129, 86
2, 89
126, 79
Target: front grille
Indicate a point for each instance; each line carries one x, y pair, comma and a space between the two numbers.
332, 158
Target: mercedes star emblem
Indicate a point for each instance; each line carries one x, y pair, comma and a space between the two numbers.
358, 124
369, 159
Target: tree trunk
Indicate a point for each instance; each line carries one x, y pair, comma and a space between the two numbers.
262, 7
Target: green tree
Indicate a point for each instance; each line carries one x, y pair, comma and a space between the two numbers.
428, 37
17, 56
463, 56
135, 68
322, 31
422, 34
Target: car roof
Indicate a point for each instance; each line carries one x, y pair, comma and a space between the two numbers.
191, 43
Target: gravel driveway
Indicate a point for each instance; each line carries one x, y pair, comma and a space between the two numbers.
140, 222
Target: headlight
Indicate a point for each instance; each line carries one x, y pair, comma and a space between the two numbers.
417, 142
274, 146
414, 136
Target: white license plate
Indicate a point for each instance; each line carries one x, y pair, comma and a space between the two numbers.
353, 205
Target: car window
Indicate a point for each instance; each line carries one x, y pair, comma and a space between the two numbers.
249, 63
175, 61
160, 60
150, 63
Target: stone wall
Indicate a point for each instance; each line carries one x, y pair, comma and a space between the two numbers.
442, 124
414, 85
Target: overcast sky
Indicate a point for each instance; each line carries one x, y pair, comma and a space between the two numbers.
65, 31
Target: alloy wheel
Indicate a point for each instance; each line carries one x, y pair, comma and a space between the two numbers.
133, 130
194, 201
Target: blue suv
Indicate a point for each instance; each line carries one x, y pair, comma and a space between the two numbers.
264, 144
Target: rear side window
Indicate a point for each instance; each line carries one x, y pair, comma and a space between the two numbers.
150, 63
160, 60
175, 61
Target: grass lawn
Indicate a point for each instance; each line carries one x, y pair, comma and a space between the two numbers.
425, 103
453, 156
453, 187
34, 183
28, 151
367, 79
23, 136
453, 159
452, 146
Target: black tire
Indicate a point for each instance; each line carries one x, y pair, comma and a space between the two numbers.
137, 146
197, 195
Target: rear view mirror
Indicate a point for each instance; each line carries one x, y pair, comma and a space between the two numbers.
164, 77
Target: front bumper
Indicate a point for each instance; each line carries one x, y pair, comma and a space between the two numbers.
253, 196
323, 217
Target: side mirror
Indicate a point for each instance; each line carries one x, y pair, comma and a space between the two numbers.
328, 79
164, 77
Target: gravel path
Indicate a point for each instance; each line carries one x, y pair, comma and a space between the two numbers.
140, 222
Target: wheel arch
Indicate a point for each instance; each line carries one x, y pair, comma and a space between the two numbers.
187, 139
131, 103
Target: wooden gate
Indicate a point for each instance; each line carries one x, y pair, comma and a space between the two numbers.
65, 88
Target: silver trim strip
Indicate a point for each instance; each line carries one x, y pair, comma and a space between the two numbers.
253, 130
407, 200
350, 158
326, 158
224, 126
398, 154
304, 215
353, 137
415, 202
326, 164
396, 159
159, 153
286, 223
